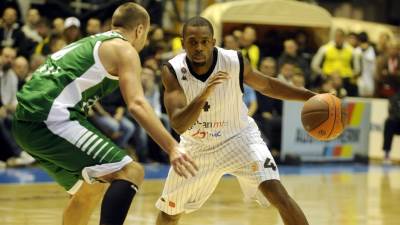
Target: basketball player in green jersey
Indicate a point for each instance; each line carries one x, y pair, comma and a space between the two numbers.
50, 120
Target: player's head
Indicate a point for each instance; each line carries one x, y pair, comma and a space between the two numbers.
198, 40
134, 20
339, 36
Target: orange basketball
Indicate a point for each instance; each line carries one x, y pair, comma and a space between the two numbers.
323, 117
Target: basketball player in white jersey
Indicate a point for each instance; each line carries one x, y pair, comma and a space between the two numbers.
203, 98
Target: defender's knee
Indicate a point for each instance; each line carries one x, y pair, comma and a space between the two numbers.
133, 172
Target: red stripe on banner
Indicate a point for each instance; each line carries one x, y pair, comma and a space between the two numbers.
337, 151
350, 110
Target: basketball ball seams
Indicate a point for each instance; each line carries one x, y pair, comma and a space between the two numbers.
334, 118
310, 105
318, 124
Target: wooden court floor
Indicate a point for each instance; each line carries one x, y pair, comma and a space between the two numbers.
343, 198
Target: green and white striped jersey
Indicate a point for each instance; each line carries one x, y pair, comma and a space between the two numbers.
71, 79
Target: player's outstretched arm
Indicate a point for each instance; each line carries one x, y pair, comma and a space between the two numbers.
128, 68
273, 87
183, 115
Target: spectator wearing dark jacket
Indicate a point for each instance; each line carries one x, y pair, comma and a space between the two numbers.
392, 125
11, 34
290, 55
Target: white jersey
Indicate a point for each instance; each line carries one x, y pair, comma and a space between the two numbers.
224, 140
224, 115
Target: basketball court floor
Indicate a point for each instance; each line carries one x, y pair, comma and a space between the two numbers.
334, 194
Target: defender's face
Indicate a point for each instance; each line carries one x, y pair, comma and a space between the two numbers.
142, 37
198, 44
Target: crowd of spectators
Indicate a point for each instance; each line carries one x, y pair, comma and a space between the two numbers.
349, 65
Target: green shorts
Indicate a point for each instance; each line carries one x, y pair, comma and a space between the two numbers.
70, 150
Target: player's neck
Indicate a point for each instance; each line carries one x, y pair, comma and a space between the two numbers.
203, 69
124, 34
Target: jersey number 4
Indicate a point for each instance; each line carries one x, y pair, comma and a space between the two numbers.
269, 164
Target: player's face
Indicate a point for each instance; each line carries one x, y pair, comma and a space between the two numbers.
198, 44
141, 33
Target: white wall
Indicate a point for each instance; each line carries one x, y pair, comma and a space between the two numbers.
379, 113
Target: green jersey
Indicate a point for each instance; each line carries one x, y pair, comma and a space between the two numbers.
71, 79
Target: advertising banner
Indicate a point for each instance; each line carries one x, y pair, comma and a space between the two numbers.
354, 140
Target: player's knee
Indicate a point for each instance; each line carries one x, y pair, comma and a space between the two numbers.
276, 194
166, 218
133, 172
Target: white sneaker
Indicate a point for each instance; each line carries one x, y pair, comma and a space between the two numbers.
23, 160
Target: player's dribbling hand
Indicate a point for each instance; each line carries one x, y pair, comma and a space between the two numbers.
218, 78
182, 163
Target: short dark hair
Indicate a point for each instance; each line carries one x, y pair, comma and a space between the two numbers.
197, 21
363, 37
129, 15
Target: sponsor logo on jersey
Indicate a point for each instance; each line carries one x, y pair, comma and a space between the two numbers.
171, 204
199, 134
183, 70
209, 124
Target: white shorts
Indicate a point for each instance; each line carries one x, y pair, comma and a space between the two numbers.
244, 156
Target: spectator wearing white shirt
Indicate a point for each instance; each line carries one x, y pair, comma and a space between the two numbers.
366, 81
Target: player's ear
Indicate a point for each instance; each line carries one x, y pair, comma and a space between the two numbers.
139, 30
214, 41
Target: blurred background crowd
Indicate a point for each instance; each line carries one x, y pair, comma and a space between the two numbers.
349, 64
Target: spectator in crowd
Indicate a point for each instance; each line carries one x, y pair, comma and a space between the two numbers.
10, 151
392, 125
304, 48
250, 99
291, 55
156, 34
268, 66
388, 70
249, 48
334, 85
29, 29
109, 115
337, 57
58, 27
72, 29
156, 48
269, 113
152, 63
93, 26
352, 39
383, 42
35, 61
286, 72
237, 34
298, 80
152, 93
43, 28
106, 25
56, 44
21, 69
231, 42
9, 81
366, 81
10, 32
